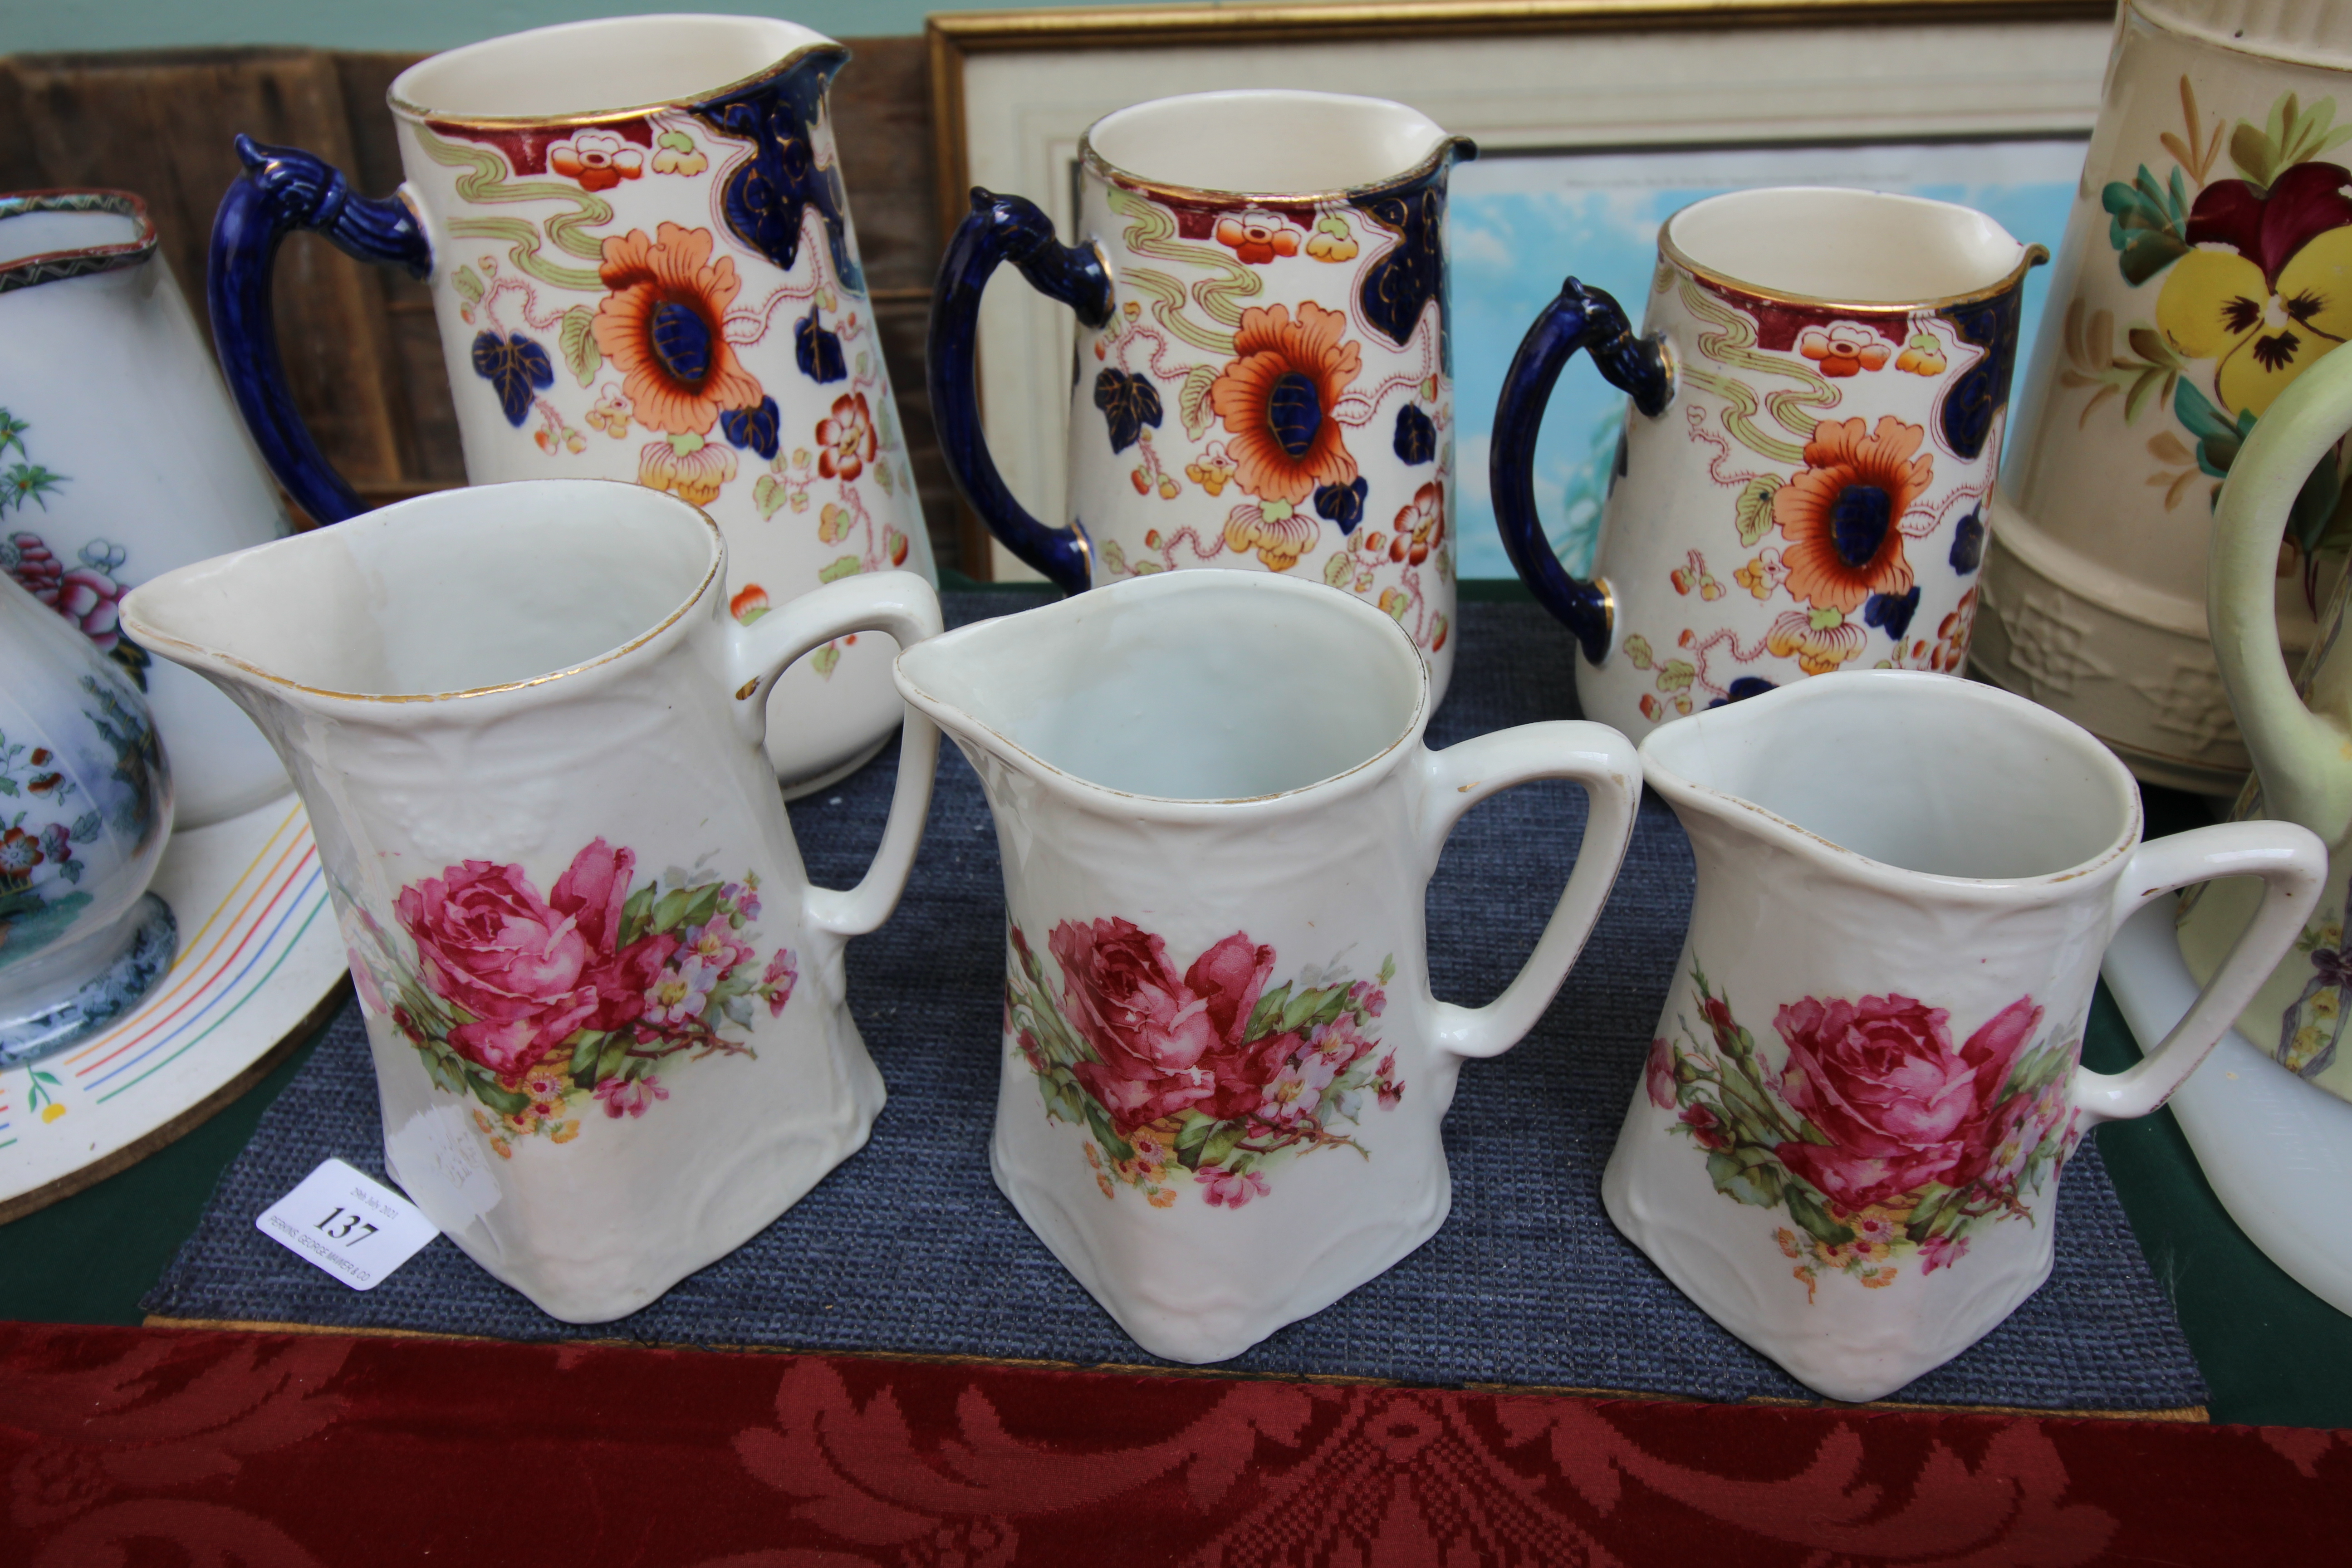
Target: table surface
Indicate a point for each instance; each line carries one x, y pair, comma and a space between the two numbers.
2271, 1352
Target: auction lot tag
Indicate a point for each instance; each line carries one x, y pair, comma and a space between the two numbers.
349, 1224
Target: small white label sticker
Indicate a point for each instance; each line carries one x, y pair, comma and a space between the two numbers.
349, 1224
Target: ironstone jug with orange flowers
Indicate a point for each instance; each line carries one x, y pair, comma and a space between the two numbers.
1801, 488
1264, 373
642, 270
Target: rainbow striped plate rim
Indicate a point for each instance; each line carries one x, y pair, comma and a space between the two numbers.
258, 956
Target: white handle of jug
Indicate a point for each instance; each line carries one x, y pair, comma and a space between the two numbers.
904, 606
2292, 863
1459, 777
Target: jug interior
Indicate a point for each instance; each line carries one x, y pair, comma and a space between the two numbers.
449, 593
1914, 780
1266, 141
1855, 247
1207, 690
38, 233
590, 68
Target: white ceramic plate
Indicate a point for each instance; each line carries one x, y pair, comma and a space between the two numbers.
2278, 1150
260, 964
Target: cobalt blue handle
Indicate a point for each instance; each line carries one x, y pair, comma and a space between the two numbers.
1590, 319
1006, 229
281, 190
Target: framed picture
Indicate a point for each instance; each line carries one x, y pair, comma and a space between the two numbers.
1595, 120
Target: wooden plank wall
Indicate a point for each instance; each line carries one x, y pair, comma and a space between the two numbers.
360, 349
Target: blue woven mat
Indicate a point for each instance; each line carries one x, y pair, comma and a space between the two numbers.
908, 1247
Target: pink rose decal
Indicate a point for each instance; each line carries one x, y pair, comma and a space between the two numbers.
1151, 1027
570, 997
1213, 1071
1884, 1143
1901, 1107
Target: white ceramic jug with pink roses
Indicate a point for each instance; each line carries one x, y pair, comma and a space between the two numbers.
1222, 1068
1846, 1144
606, 1003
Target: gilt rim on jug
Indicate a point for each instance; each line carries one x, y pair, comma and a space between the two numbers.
1365, 773
2031, 255
408, 109
1447, 150
2046, 887
81, 261
150, 636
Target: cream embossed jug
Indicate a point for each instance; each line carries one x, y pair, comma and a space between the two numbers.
1223, 1071
606, 1003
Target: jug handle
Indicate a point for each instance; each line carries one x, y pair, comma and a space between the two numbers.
1581, 318
1459, 777
2292, 864
2294, 870
998, 229
903, 606
2304, 759
283, 189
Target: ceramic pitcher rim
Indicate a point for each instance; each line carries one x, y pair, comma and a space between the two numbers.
1444, 150
398, 96
147, 634
1363, 775
80, 260
2031, 255
1679, 788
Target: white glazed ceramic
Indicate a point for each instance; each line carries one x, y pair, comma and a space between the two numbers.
110, 398
1813, 497
2197, 193
85, 809
642, 267
2277, 1152
2299, 730
1847, 1140
1223, 1071
606, 1004
1265, 377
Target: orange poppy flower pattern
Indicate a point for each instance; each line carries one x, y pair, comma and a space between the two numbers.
1276, 399
1842, 513
663, 328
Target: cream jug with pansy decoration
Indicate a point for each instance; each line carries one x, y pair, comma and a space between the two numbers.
604, 1002
1846, 1140
1266, 375
642, 268
1223, 1072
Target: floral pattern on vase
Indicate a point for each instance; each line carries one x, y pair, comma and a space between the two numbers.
2250, 271
1882, 1141
660, 335
1206, 1078
85, 593
547, 1008
1208, 376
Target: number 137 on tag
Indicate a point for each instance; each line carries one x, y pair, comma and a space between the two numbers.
349, 1224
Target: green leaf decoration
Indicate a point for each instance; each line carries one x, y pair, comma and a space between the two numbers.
1220, 1148
1752, 1176
1677, 675
635, 913
585, 1052
1270, 1006
2218, 438
1808, 1212
768, 493
578, 341
2148, 223
1388, 969
469, 284
1193, 400
836, 569
824, 659
1338, 570
1754, 509
1637, 652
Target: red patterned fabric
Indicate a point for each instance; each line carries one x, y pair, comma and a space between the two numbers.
125, 1446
